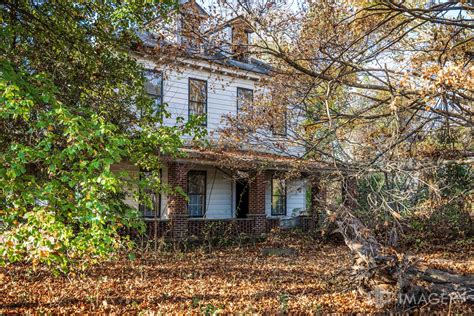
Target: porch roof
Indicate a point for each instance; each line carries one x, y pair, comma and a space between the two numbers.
250, 160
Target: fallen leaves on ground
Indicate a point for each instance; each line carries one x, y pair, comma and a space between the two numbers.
232, 279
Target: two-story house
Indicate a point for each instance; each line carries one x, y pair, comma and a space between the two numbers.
241, 191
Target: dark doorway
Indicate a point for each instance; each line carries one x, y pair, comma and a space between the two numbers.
242, 198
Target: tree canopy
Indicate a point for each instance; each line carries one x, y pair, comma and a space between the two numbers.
72, 104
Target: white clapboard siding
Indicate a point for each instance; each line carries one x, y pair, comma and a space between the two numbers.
220, 192
133, 172
295, 197
221, 99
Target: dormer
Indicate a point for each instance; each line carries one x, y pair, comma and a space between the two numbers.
240, 37
191, 21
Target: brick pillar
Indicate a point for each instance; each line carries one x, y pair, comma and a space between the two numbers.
177, 210
257, 203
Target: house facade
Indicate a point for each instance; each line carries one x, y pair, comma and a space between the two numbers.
234, 191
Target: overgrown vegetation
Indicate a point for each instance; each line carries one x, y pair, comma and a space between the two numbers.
233, 279
72, 104
434, 204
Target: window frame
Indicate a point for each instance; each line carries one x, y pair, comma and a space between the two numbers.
285, 196
189, 99
237, 96
159, 111
142, 208
285, 132
204, 206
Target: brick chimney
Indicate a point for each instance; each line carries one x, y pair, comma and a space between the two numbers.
191, 18
241, 31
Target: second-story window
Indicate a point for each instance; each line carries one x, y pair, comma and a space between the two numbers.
154, 88
279, 124
244, 98
198, 99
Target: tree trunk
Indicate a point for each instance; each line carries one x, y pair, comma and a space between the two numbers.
394, 280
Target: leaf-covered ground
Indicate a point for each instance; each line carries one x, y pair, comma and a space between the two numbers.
231, 279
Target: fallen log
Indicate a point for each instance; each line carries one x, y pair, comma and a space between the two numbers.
393, 280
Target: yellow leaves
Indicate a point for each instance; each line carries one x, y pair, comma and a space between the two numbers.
396, 215
394, 104
44, 252
231, 280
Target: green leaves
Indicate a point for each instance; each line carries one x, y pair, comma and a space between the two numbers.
61, 203
72, 106
59, 199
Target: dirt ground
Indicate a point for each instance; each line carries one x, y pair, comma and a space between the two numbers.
231, 279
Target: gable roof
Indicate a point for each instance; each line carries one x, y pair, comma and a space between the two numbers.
251, 64
152, 41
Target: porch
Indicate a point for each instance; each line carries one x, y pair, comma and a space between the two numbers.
225, 197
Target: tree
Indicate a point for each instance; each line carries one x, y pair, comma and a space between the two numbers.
72, 104
383, 87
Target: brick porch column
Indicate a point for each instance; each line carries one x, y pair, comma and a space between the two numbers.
177, 210
257, 203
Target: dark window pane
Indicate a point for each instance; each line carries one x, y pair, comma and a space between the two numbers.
197, 108
278, 205
197, 182
278, 187
278, 196
196, 193
198, 91
153, 83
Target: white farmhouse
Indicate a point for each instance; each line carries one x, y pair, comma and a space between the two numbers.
240, 190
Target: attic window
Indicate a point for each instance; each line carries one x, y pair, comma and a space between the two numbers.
228, 34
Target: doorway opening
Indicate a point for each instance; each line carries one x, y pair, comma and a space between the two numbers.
242, 198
